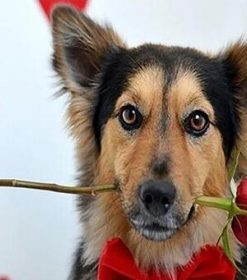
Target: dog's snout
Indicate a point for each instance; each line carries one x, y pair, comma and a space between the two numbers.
157, 196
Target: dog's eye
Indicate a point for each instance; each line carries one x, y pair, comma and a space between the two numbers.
196, 123
130, 118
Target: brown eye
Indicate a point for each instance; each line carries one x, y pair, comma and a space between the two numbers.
196, 123
130, 118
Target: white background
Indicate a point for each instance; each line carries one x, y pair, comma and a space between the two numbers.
38, 231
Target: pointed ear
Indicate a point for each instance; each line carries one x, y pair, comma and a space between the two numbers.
235, 64
80, 46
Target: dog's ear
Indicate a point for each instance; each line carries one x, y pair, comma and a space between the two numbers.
235, 64
80, 45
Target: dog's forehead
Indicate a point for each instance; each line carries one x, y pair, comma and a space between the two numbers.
145, 68
148, 89
162, 65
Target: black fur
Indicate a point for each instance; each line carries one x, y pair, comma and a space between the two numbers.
161, 168
213, 74
242, 273
81, 271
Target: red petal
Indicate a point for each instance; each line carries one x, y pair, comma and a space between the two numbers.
4, 277
239, 227
47, 5
241, 198
239, 224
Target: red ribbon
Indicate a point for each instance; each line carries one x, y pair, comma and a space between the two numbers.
117, 263
47, 5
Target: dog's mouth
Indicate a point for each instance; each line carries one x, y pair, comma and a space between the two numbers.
157, 229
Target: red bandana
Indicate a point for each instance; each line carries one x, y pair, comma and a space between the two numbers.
117, 263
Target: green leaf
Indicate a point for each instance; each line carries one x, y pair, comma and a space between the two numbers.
226, 245
232, 169
234, 163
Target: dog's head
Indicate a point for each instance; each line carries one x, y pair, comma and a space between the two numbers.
161, 122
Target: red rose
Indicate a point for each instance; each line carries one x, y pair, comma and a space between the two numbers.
4, 277
47, 5
239, 224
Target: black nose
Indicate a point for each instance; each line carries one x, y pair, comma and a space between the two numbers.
157, 196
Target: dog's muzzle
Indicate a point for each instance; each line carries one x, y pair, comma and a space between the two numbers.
157, 217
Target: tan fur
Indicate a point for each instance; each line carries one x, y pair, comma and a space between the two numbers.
80, 123
119, 158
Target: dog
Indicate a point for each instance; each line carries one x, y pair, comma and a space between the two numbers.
161, 124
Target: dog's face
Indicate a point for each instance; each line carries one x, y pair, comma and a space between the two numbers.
163, 121
164, 134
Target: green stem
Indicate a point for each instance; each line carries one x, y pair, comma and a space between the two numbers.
55, 188
238, 211
221, 203
217, 202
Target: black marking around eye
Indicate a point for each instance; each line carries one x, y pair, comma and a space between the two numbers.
188, 123
137, 122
